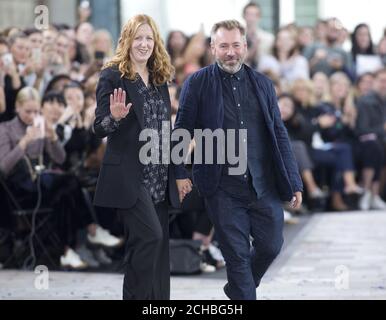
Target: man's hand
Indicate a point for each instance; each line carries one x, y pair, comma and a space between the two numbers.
297, 200
184, 186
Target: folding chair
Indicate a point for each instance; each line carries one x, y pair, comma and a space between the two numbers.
21, 219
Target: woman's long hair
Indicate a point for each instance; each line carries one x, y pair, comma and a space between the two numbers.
159, 63
355, 50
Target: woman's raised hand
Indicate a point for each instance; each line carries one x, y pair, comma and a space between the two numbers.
118, 107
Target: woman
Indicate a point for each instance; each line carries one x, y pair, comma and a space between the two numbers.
26, 144
321, 85
136, 78
175, 44
192, 57
299, 129
336, 121
362, 43
286, 61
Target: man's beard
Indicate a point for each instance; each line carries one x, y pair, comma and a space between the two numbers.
331, 40
230, 69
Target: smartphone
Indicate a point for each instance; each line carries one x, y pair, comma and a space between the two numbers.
37, 55
40, 123
7, 59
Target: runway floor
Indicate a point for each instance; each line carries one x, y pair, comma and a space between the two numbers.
326, 256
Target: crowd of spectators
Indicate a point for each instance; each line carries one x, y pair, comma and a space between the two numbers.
331, 88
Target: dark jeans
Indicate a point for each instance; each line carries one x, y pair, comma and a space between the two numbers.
147, 269
235, 220
339, 158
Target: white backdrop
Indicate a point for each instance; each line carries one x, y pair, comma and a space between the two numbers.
185, 15
353, 12
188, 15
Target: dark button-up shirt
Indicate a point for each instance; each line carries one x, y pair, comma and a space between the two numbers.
242, 111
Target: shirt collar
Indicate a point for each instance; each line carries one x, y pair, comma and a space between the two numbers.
239, 75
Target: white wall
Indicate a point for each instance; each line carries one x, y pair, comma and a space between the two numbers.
353, 12
185, 15
287, 12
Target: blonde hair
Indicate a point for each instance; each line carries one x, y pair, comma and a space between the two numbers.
342, 77
348, 108
100, 34
159, 63
309, 85
27, 94
325, 94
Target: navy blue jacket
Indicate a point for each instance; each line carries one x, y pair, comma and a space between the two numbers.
201, 107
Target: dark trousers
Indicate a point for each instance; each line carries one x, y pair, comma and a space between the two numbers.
235, 220
147, 269
339, 158
372, 156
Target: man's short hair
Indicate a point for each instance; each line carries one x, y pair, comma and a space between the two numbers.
249, 5
228, 25
18, 35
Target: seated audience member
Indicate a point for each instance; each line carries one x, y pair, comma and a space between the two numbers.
29, 150
371, 131
298, 130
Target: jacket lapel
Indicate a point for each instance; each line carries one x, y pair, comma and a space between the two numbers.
135, 98
217, 92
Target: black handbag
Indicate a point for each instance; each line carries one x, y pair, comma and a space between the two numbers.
185, 256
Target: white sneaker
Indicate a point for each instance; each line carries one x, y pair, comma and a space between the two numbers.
318, 194
377, 203
289, 218
104, 238
216, 253
72, 260
365, 201
207, 268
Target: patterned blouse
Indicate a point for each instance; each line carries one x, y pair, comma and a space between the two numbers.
155, 175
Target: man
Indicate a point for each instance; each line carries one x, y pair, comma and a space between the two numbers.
330, 57
371, 130
260, 42
229, 95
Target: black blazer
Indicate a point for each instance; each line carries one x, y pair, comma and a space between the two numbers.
121, 172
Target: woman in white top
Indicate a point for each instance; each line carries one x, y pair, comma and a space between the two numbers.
286, 61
